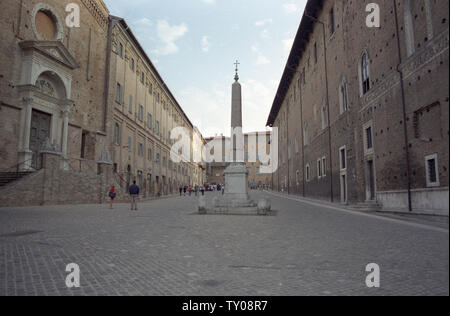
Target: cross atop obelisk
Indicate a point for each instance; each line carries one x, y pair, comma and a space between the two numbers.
236, 77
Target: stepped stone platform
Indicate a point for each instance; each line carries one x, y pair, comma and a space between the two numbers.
225, 206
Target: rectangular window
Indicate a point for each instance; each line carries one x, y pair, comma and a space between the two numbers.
316, 58
141, 150
324, 168
157, 157
149, 154
119, 93
141, 113
117, 133
157, 127
332, 25
369, 141
343, 98
142, 77
149, 121
319, 168
129, 144
132, 65
343, 158
120, 50
432, 171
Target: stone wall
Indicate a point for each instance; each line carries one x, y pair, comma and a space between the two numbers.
53, 186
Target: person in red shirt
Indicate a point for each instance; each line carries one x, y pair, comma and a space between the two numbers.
112, 195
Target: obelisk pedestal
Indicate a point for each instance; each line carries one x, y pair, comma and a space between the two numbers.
235, 199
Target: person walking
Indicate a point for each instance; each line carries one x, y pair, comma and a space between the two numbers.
112, 195
184, 190
181, 191
203, 190
134, 193
190, 190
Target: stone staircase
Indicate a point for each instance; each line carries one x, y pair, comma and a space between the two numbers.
8, 177
368, 206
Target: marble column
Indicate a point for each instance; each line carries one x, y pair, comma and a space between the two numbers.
65, 133
25, 154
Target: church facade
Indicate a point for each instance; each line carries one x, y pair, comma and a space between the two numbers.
66, 89
52, 83
362, 111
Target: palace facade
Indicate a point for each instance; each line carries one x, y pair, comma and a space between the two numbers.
362, 111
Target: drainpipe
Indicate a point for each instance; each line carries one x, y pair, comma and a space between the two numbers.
328, 104
402, 87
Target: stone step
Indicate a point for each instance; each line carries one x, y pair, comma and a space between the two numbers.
8, 177
366, 206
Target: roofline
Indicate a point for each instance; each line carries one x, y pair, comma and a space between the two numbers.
298, 48
152, 66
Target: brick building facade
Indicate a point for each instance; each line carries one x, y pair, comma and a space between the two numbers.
59, 90
363, 112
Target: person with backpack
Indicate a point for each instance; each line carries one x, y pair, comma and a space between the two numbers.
134, 193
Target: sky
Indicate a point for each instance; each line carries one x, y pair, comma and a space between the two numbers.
195, 43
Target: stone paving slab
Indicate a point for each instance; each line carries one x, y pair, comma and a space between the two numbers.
167, 249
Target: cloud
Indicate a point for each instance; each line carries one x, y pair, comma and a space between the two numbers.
144, 22
291, 8
265, 34
206, 106
260, 58
209, 1
168, 34
257, 101
206, 44
263, 22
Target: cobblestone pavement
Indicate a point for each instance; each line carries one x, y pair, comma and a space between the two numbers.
166, 249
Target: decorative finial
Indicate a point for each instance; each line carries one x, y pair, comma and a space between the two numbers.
236, 77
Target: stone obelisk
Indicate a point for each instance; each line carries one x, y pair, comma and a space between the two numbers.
236, 175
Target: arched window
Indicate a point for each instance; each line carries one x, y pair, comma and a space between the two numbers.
365, 73
343, 96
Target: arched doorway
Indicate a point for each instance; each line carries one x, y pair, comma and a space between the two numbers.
45, 92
